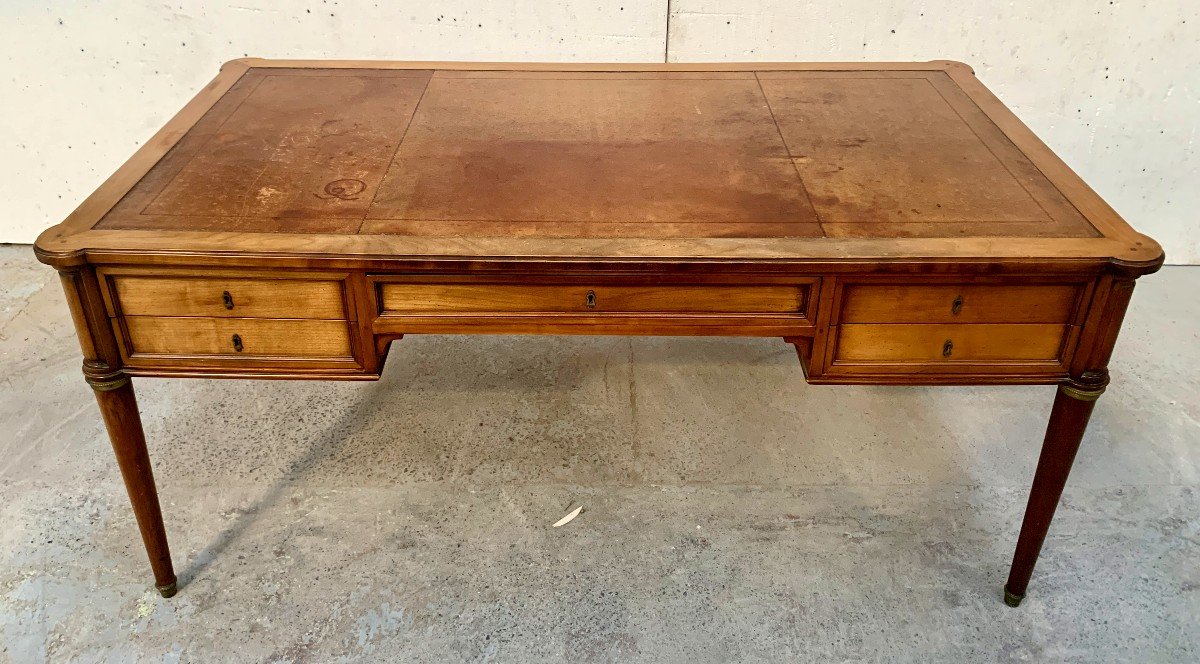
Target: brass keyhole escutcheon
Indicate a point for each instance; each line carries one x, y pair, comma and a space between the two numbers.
591, 299
227, 299
237, 342
956, 308
947, 348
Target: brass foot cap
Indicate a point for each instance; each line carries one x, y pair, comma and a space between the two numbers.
1012, 599
167, 590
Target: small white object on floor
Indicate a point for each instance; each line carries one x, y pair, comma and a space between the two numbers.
567, 519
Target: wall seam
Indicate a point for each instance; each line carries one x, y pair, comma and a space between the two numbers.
667, 36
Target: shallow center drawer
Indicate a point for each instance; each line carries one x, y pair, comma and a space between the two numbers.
959, 303
229, 297
429, 298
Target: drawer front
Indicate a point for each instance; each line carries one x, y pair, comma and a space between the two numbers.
229, 297
961, 303
255, 337
948, 344
428, 299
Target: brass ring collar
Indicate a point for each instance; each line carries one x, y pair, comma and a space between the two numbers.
1082, 393
107, 383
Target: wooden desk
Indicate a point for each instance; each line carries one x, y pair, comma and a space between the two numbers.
895, 222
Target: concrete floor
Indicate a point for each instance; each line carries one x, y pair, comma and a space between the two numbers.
732, 512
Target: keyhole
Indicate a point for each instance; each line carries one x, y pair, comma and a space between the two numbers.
237, 342
947, 348
227, 299
591, 299
956, 308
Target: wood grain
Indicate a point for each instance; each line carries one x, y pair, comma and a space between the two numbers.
260, 337
247, 298
451, 299
927, 343
976, 303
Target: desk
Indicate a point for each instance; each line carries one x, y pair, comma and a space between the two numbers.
894, 222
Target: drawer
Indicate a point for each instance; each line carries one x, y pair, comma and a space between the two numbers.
232, 297
945, 344
257, 337
428, 298
959, 303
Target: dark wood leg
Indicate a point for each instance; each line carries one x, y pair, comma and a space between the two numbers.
119, 408
114, 393
1072, 408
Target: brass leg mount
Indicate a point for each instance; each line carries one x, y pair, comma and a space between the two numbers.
1087, 387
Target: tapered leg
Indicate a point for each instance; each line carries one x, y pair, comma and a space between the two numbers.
1072, 408
119, 408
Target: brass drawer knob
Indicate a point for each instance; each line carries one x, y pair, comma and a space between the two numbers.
227, 299
947, 348
956, 307
591, 299
237, 342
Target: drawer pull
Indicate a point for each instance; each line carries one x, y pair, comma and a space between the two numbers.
947, 348
591, 299
227, 299
956, 308
237, 342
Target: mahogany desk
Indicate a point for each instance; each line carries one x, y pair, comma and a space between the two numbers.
894, 221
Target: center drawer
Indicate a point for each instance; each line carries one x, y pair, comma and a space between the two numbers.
435, 298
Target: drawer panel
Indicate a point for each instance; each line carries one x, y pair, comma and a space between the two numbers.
427, 299
948, 344
258, 337
247, 297
961, 303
